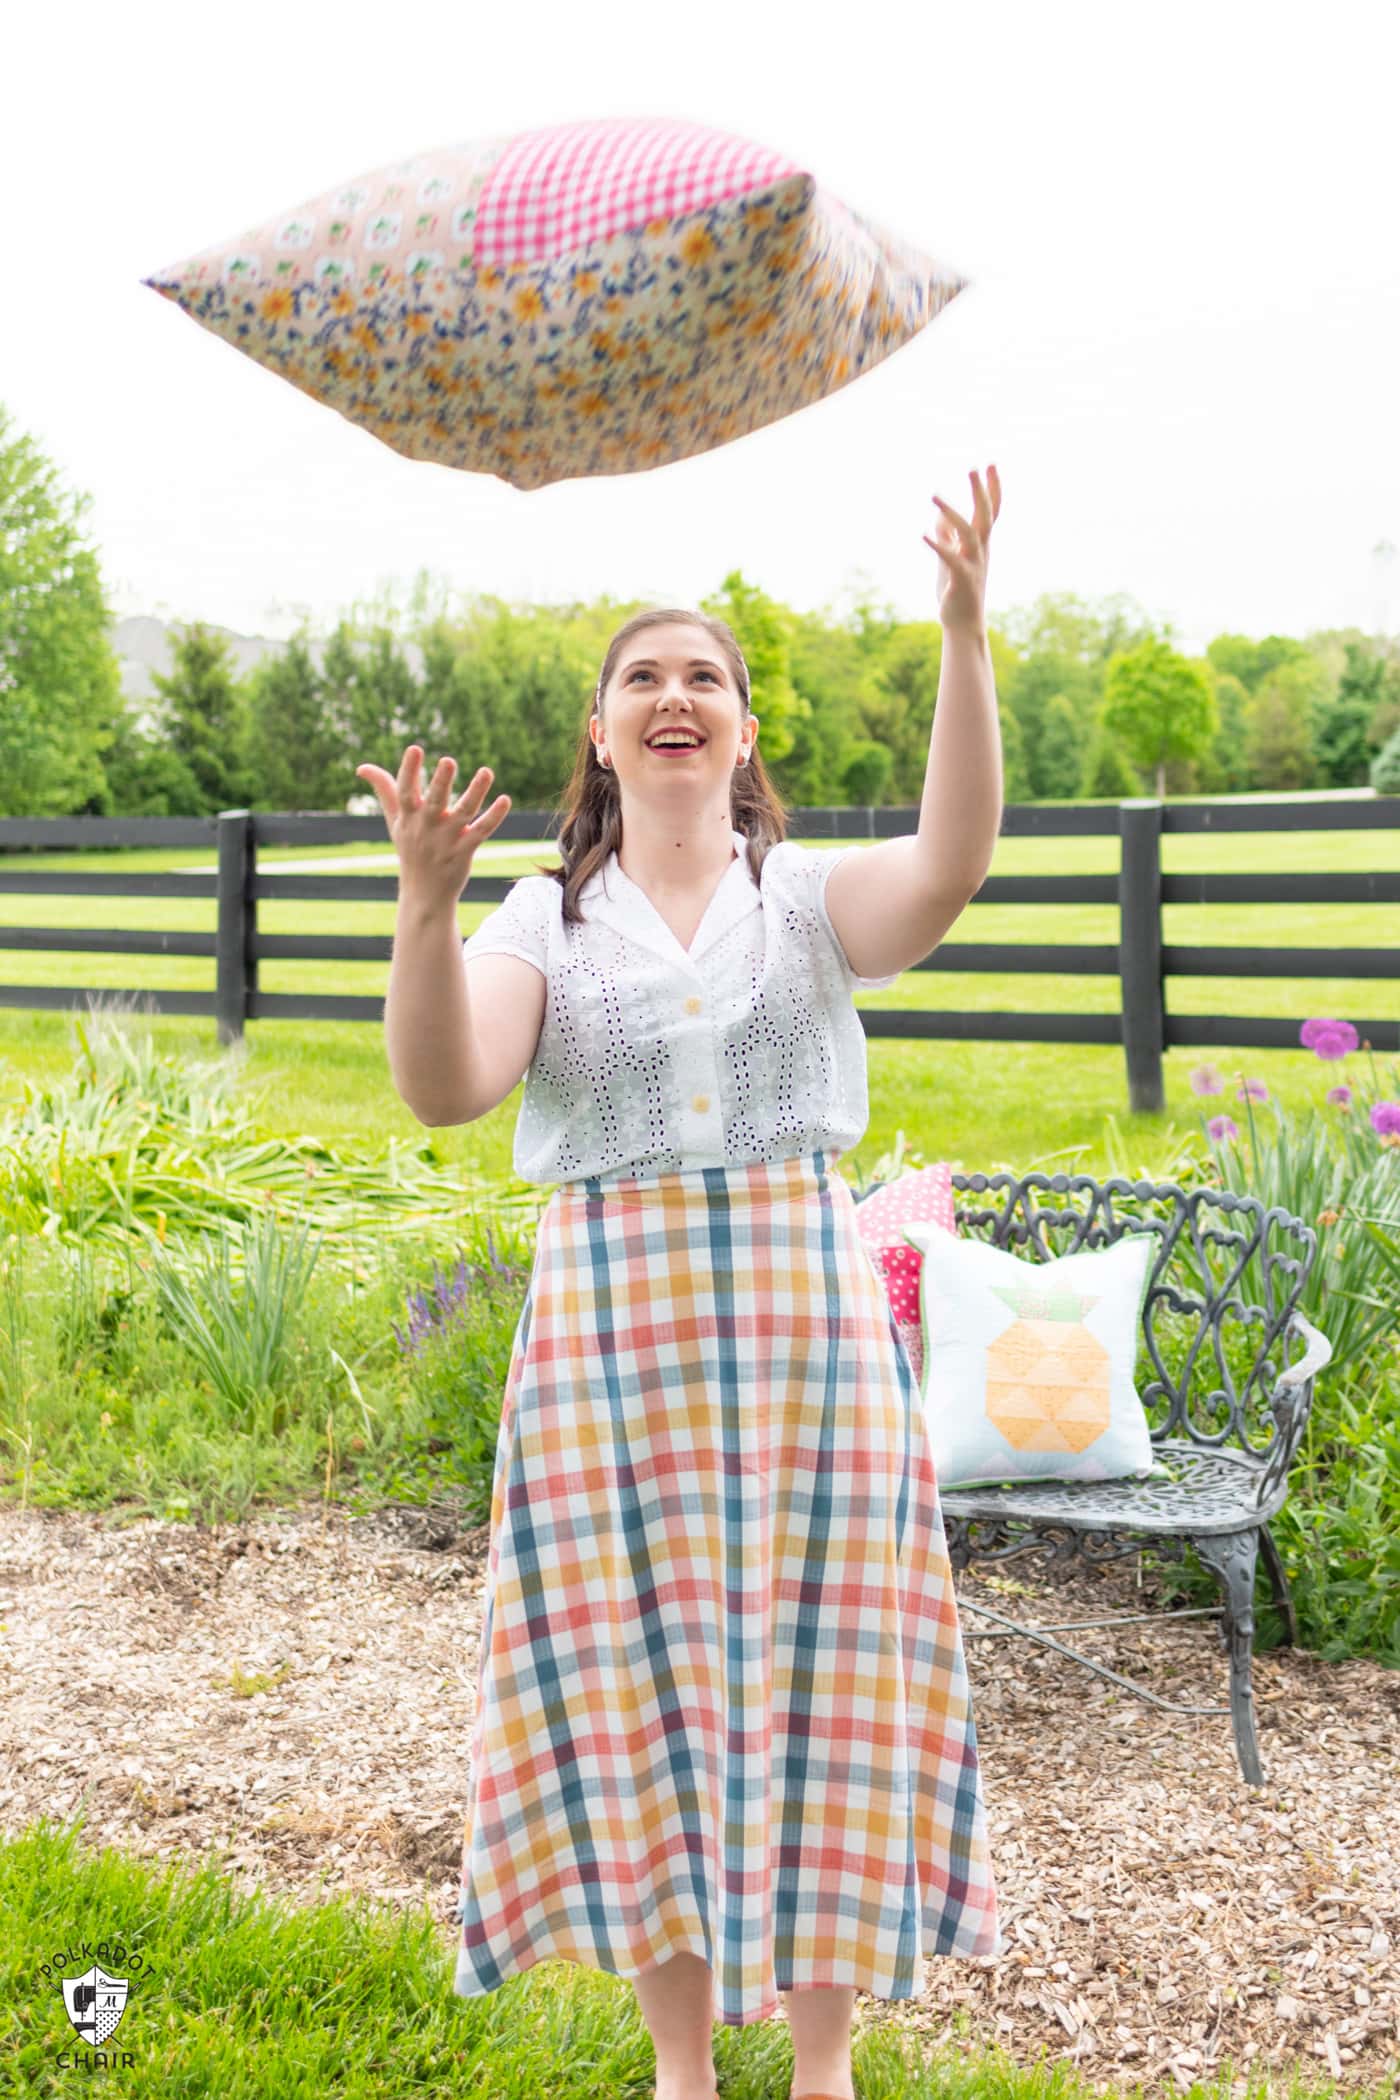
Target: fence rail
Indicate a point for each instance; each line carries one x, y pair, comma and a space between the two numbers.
1141, 959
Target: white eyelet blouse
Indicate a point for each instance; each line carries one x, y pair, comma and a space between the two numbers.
651, 1058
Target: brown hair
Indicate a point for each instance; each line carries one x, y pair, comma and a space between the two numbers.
592, 801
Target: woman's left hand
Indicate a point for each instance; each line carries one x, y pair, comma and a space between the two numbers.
962, 589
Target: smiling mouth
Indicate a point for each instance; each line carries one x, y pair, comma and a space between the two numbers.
698, 745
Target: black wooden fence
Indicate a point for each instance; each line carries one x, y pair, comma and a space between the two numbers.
1141, 960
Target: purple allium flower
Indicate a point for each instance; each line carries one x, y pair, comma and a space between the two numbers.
1206, 1080
1253, 1090
1222, 1127
1340, 1095
1385, 1118
1335, 1042
1329, 1039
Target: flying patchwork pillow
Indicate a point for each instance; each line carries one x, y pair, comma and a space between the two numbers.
591, 298
1028, 1366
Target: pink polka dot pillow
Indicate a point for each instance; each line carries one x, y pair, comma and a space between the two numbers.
921, 1196
589, 298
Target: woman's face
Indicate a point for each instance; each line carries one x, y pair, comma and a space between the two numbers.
673, 677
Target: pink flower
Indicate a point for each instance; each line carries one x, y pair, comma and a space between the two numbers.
1341, 1095
1329, 1039
1221, 1127
1206, 1080
1253, 1090
1385, 1118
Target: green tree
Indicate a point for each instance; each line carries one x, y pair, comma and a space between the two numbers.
866, 779
898, 701
1224, 769
202, 716
1064, 628
508, 687
1015, 780
763, 627
1278, 737
1252, 662
1033, 683
295, 757
871, 620
828, 664
143, 777
60, 683
1386, 718
1061, 750
1340, 723
340, 673
1107, 773
438, 698
1385, 768
1159, 706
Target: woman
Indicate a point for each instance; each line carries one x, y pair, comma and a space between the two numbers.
724, 1740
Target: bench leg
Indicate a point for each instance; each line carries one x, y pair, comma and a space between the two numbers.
1232, 1556
1278, 1582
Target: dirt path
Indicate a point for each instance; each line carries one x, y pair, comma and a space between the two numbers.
1160, 1916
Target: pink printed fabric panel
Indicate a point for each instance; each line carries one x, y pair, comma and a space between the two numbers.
924, 1195
570, 186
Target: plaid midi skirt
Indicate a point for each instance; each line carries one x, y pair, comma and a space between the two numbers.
722, 1706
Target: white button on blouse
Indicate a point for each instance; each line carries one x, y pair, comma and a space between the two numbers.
622, 1082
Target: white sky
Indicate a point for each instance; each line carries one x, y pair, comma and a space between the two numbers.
1180, 346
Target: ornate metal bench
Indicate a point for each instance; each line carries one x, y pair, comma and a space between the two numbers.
1226, 1411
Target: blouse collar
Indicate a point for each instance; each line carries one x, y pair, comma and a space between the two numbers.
615, 900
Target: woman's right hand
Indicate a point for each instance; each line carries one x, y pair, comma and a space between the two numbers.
436, 840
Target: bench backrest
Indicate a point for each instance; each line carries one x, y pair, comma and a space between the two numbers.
1226, 1275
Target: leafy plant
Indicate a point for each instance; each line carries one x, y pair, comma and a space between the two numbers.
1339, 1173
236, 1326
132, 1143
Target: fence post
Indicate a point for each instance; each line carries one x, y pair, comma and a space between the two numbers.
1140, 952
235, 970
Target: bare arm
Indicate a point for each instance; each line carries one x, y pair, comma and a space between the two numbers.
428, 1026
427, 1019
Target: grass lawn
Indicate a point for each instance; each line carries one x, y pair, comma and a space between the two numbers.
242, 1994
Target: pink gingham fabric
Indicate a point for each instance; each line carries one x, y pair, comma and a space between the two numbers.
576, 184
588, 298
723, 1705
921, 1196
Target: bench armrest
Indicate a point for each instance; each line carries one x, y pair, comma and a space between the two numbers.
1291, 1403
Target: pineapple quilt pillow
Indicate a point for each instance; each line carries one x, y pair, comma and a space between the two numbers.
1028, 1366
588, 298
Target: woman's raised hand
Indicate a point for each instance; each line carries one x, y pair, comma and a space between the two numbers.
436, 840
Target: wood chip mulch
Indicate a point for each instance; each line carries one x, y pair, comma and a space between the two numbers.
1161, 1916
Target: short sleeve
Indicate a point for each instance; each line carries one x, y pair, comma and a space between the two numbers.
820, 863
516, 927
